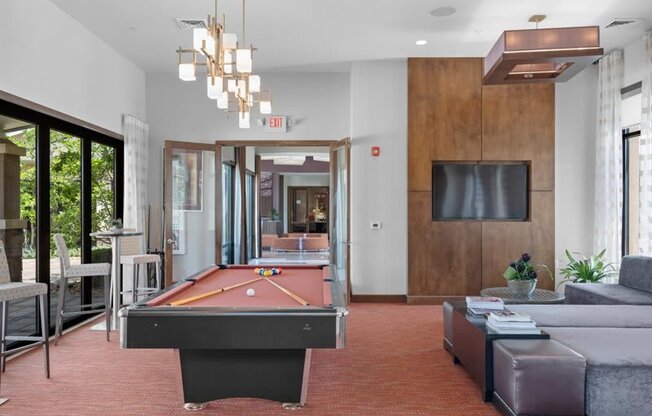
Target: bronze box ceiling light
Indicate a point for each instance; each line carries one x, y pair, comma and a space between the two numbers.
541, 55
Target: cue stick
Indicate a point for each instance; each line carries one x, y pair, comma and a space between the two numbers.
289, 293
212, 292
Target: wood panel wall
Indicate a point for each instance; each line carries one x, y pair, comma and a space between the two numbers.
452, 116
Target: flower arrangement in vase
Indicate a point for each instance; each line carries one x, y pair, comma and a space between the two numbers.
522, 274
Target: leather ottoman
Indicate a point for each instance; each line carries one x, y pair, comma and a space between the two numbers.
538, 377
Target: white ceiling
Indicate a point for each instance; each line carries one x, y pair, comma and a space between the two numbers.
311, 35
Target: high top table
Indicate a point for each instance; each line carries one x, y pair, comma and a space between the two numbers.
115, 236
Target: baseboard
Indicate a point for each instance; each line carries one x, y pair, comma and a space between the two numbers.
430, 300
378, 299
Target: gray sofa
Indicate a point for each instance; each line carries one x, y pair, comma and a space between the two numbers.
634, 286
615, 341
618, 368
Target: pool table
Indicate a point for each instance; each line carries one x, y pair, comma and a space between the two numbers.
231, 344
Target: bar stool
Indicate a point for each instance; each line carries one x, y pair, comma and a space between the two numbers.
69, 271
18, 290
132, 254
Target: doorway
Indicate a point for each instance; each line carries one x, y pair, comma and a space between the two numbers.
231, 202
285, 203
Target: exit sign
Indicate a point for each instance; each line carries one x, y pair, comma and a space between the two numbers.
276, 124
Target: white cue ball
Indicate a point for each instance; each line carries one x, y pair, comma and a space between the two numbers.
251, 292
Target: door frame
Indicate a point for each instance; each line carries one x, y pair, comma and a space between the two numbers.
346, 144
168, 148
331, 144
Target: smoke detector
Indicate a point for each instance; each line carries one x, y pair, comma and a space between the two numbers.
190, 23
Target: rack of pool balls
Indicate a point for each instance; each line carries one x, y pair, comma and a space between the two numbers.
274, 271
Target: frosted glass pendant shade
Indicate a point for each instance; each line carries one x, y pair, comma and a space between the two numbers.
187, 72
198, 37
223, 100
243, 120
243, 60
229, 41
210, 45
265, 107
232, 85
213, 87
228, 62
254, 83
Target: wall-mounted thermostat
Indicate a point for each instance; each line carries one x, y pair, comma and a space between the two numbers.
376, 225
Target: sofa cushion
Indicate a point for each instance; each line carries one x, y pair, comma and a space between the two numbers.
619, 368
605, 316
636, 272
605, 294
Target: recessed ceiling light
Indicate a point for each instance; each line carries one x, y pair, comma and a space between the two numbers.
443, 11
421, 42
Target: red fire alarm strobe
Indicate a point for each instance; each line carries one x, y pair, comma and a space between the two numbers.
375, 151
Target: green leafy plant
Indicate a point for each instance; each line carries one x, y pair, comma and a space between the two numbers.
586, 270
524, 269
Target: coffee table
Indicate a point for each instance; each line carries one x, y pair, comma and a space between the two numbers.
474, 346
541, 296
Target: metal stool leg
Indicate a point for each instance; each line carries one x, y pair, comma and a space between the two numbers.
135, 269
159, 283
60, 309
45, 329
107, 304
3, 336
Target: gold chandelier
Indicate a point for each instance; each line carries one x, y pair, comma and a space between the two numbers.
229, 64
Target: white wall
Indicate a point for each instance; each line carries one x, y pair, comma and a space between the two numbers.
379, 184
51, 59
575, 131
177, 110
634, 61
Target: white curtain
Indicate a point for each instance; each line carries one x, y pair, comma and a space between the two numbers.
609, 159
645, 155
135, 172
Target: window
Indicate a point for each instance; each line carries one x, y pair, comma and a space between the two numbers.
227, 212
69, 181
631, 124
251, 222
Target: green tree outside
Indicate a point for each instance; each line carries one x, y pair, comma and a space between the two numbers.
65, 188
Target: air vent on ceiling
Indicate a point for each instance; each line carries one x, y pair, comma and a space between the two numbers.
621, 22
190, 23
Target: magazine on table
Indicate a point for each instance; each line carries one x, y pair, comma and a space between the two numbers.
509, 316
514, 331
480, 302
511, 324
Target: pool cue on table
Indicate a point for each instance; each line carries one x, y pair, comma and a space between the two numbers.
289, 293
212, 292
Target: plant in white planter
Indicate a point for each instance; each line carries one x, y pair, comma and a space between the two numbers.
586, 269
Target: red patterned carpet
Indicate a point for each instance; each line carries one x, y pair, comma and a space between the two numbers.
394, 364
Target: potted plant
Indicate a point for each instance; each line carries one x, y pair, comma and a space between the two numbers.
586, 270
275, 215
522, 275
116, 224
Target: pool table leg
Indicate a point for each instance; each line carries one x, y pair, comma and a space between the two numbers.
304, 384
273, 374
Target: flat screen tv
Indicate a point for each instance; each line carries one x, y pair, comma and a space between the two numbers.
479, 191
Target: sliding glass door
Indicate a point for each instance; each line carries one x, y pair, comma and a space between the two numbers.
68, 181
